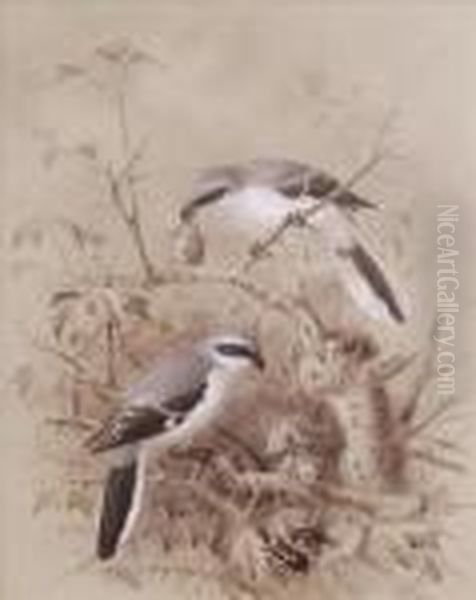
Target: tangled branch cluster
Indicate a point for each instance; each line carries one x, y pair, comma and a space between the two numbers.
318, 478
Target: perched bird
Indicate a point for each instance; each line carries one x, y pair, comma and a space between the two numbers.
255, 198
286, 180
181, 394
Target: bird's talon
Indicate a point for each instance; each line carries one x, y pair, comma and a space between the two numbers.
297, 219
257, 250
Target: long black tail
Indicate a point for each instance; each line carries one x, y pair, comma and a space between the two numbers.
373, 274
117, 503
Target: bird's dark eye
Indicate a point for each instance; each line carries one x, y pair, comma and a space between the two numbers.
235, 350
252, 354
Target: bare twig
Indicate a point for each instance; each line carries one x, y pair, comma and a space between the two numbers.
420, 385
131, 220
201, 493
393, 367
444, 444
379, 506
122, 111
242, 445
111, 353
437, 461
81, 374
70, 360
73, 422
132, 217
434, 415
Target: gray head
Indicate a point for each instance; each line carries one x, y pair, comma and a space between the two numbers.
233, 352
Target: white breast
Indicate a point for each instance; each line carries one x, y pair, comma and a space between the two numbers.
253, 209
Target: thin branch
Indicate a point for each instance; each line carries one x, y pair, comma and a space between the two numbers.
122, 113
261, 247
73, 422
131, 161
379, 506
258, 462
420, 386
116, 181
444, 444
70, 360
437, 461
434, 415
80, 373
393, 367
201, 493
132, 222
111, 353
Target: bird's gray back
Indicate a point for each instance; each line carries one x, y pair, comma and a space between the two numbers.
171, 376
273, 173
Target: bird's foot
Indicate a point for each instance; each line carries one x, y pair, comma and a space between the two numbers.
298, 218
258, 250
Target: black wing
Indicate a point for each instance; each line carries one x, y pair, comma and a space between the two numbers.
321, 184
138, 422
130, 425
184, 403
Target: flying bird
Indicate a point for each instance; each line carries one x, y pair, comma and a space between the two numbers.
256, 197
184, 392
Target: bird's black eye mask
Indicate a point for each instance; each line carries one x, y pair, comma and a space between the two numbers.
227, 349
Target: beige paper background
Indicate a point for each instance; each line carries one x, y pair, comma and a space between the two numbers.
308, 80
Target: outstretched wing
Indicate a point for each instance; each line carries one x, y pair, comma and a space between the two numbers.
137, 422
